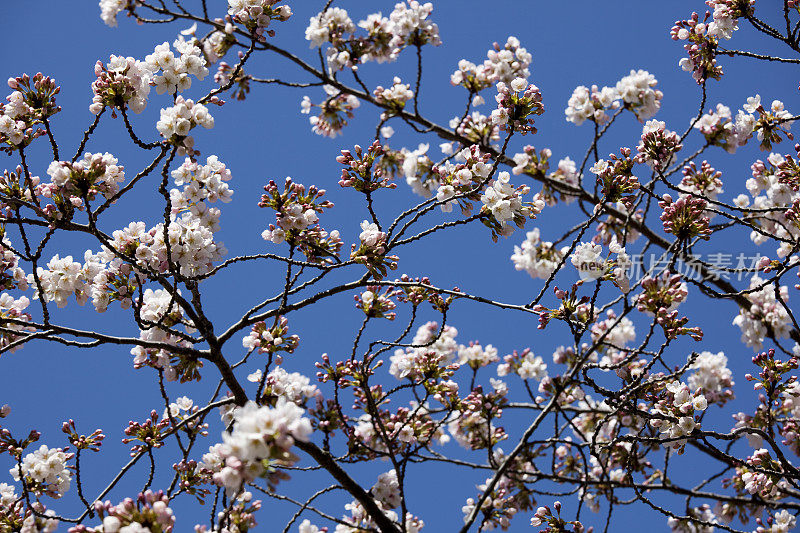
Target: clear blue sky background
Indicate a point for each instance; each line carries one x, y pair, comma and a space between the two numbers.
582, 42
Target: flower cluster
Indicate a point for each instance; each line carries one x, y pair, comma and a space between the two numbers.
451, 179
201, 184
677, 407
191, 242
271, 340
123, 82
379, 44
537, 257
146, 435
712, 377
759, 482
333, 112
779, 401
149, 512
476, 356
658, 145
407, 25
503, 203
616, 178
525, 364
544, 516
702, 513
503, 64
769, 193
158, 313
331, 26
768, 124
419, 171
780, 522
394, 98
477, 128
410, 25
587, 258
719, 129
359, 172
765, 312
72, 183
685, 217
328, 26
11, 275
175, 70
360, 520
183, 412
14, 309
45, 471
32, 101
431, 347
191, 248
517, 103
261, 435
704, 181
466, 178
472, 425
239, 516
594, 104
256, 15
109, 9
176, 122
291, 386
703, 36
371, 250
660, 297
701, 47
377, 305
637, 91
11, 508
296, 217
566, 173
215, 44
613, 331
62, 278
788, 171
387, 490
533, 163
725, 15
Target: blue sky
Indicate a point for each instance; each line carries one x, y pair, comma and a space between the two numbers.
577, 43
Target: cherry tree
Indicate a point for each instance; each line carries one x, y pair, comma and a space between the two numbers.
247, 430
